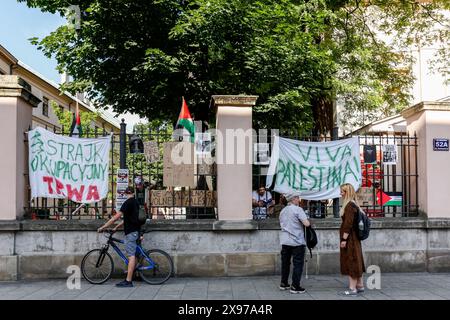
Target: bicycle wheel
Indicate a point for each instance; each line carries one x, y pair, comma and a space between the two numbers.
156, 270
97, 266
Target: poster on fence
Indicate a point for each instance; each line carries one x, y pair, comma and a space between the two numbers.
261, 153
314, 170
178, 164
203, 144
192, 198
122, 184
65, 167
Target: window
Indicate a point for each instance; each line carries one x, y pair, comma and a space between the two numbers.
45, 106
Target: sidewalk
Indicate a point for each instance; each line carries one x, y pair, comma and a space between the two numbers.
394, 286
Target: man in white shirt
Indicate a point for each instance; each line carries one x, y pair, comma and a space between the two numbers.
293, 243
262, 202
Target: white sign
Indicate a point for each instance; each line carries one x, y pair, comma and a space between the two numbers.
389, 154
122, 184
314, 170
65, 167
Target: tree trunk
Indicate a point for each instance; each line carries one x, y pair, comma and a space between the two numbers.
322, 110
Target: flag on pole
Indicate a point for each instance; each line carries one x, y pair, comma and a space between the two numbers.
75, 128
185, 121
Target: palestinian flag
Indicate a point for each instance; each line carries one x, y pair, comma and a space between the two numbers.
75, 128
185, 121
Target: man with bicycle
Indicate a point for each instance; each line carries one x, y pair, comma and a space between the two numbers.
132, 228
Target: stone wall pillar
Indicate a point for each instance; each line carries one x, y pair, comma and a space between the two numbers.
16, 105
234, 147
431, 120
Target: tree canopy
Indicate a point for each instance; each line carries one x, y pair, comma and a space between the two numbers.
298, 56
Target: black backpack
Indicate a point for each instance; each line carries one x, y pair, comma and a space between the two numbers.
311, 239
362, 224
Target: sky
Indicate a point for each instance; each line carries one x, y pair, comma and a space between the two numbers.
19, 23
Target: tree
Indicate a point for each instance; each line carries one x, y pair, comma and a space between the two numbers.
297, 56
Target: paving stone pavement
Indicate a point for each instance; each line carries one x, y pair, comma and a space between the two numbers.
394, 286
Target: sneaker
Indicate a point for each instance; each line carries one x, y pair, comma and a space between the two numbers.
351, 293
297, 289
360, 290
284, 286
125, 284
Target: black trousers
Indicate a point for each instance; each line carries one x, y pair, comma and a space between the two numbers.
297, 254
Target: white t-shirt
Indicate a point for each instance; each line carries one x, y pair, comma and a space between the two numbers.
261, 212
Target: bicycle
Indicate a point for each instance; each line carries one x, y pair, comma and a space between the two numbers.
154, 266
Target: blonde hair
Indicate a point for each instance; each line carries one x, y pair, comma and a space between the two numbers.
350, 195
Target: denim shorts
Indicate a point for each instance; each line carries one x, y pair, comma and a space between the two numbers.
131, 243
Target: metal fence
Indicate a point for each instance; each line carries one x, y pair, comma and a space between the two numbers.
178, 203
388, 189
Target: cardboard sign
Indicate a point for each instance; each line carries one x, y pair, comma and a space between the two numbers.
440, 145
68, 168
178, 164
122, 184
198, 198
261, 153
151, 151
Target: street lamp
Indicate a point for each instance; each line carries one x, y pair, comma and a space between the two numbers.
136, 144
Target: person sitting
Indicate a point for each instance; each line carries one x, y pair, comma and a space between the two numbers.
262, 201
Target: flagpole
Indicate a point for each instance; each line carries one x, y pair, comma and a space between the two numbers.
76, 111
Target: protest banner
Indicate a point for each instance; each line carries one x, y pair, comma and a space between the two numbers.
314, 170
261, 153
65, 167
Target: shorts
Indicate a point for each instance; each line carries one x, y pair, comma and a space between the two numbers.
131, 243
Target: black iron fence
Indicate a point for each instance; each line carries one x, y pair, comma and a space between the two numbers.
389, 179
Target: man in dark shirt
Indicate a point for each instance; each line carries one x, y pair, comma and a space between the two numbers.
132, 227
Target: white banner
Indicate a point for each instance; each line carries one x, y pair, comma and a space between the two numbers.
65, 167
314, 170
